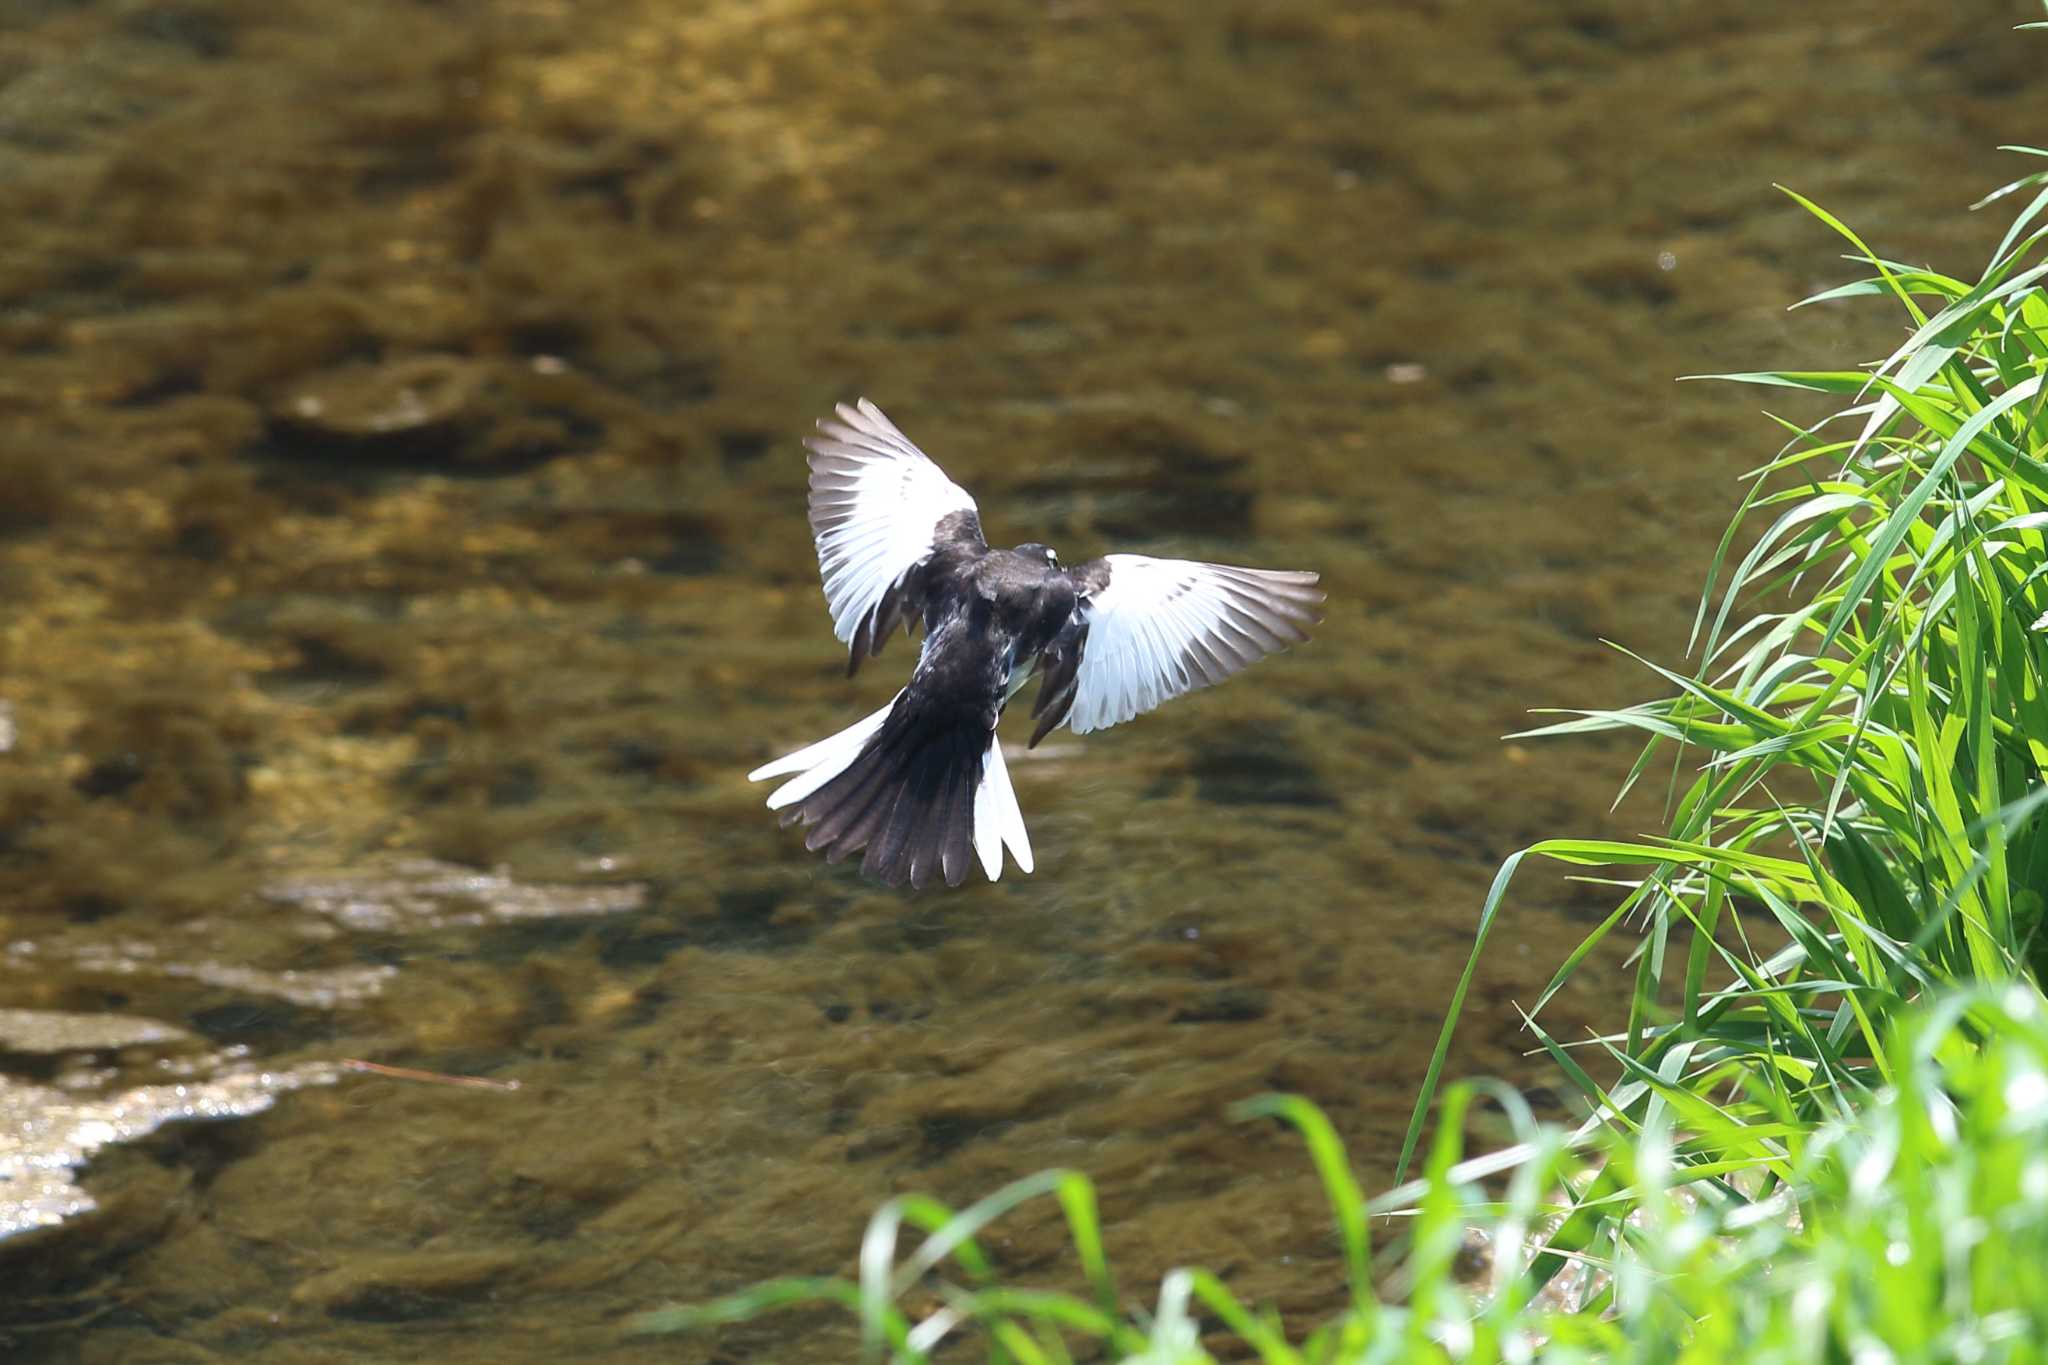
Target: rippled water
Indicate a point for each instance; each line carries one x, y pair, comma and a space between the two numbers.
403, 554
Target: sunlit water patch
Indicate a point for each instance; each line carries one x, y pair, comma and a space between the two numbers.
74, 1083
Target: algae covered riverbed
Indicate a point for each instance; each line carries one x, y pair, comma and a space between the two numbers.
403, 559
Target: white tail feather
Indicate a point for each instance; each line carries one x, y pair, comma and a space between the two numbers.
996, 816
819, 763
988, 845
998, 823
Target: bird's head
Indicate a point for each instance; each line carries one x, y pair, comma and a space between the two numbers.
1044, 553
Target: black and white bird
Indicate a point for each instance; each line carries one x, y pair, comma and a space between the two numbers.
921, 783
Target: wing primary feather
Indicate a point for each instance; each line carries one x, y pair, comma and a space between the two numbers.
879, 510
1164, 627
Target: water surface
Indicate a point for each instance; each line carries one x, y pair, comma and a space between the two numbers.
403, 556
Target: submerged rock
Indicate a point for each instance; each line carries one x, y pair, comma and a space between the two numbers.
372, 403
404, 1286
74, 1083
54, 1031
429, 411
312, 988
49, 1131
423, 893
441, 411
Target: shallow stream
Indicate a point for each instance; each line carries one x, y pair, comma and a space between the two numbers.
403, 560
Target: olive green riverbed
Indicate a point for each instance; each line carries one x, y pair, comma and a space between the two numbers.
403, 560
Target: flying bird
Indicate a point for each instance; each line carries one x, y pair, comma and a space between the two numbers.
921, 783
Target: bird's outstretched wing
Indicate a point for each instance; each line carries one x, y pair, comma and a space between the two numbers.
880, 510
1150, 629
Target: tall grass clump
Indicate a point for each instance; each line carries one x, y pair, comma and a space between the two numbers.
1856, 761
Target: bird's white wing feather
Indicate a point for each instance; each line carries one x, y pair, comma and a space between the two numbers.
877, 502
1161, 627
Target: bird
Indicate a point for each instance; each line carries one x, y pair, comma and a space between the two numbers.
921, 784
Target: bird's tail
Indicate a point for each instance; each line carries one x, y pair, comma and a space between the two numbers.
918, 784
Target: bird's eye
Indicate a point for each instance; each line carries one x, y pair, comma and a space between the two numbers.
1052, 557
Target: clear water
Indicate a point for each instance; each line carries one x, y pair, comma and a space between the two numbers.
400, 463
